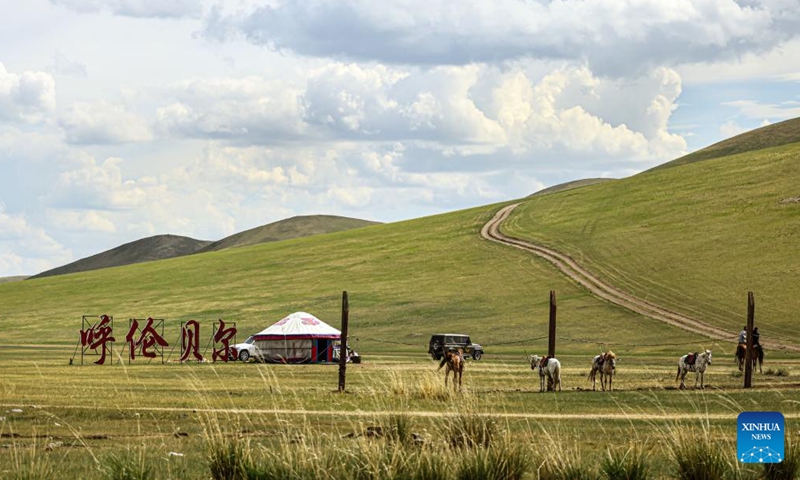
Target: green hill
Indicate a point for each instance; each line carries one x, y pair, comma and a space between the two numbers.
295, 227
561, 187
406, 281
695, 239
148, 249
782, 133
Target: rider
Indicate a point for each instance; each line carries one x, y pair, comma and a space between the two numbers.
743, 335
756, 336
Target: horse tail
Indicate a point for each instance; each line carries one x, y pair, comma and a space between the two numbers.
679, 372
441, 364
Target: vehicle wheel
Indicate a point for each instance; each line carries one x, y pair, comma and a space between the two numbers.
244, 355
476, 354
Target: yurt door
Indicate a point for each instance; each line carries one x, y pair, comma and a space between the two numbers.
323, 346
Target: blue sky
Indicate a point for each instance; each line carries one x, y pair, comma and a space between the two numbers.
123, 119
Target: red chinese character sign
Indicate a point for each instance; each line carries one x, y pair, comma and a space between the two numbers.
145, 338
146, 341
223, 336
190, 341
97, 339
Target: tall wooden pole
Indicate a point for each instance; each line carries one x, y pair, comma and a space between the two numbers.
343, 346
748, 364
551, 344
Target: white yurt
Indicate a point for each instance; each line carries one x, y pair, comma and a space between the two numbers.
299, 338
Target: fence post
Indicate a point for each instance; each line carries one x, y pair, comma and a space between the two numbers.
748, 364
551, 344
343, 342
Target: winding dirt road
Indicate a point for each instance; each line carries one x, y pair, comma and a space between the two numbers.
491, 231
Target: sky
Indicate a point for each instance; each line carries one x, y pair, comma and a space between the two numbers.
124, 119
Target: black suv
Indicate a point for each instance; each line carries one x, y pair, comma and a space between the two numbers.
442, 342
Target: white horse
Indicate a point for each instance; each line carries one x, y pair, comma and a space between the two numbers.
606, 364
549, 367
701, 362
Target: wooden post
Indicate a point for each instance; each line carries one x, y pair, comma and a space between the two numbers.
551, 345
343, 346
748, 364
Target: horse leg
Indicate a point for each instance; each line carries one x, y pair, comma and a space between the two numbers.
609, 380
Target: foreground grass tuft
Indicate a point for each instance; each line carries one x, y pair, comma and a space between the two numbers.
631, 464
229, 459
31, 464
700, 457
789, 469
128, 466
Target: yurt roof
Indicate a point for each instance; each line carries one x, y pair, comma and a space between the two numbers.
299, 324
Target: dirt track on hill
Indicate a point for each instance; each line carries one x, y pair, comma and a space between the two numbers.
568, 266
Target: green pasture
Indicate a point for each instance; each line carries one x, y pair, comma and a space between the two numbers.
94, 413
695, 238
405, 280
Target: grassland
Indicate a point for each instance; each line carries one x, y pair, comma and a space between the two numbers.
406, 281
694, 239
100, 412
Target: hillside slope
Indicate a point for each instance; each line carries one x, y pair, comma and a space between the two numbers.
148, 249
776, 135
406, 281
16, 278
695, 239
295, 227
561, 187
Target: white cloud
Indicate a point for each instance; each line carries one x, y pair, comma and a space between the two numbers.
756, 110
614, 37
66, 66
28, 97
461, 111
103, 123
252, 109
26, 249
136, 8
89, 186
91, 221
731, 129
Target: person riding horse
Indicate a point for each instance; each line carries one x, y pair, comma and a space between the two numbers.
453, 350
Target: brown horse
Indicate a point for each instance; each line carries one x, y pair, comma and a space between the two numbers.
757, 355
455, 363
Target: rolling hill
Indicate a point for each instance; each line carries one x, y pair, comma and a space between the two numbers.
694, 239
295, 227
561, 187
782, 133
148, 249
